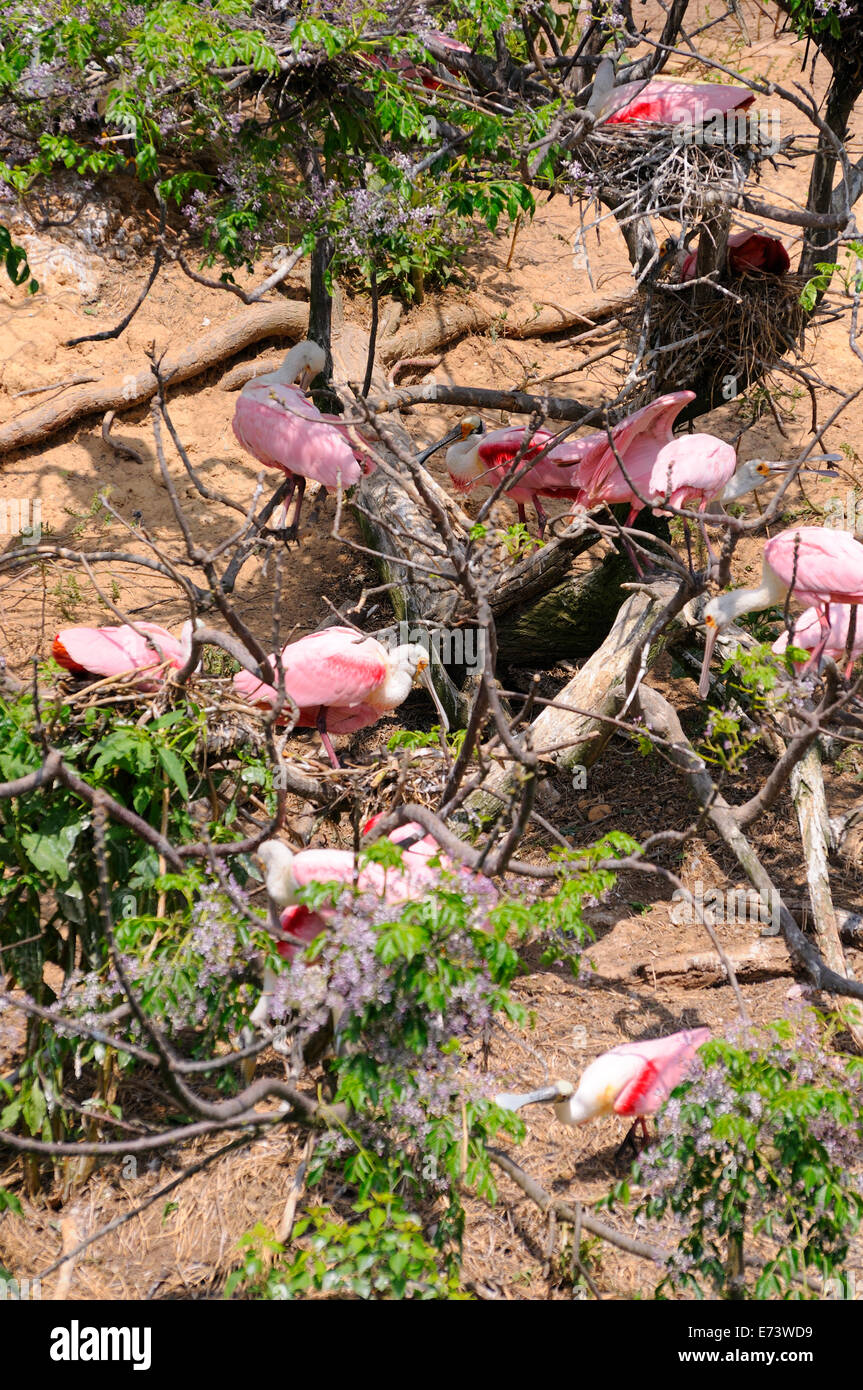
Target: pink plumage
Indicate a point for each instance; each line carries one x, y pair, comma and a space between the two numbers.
692, 470
807, 632
638, 440
583, 469
340, 680
336, 668
667, 102
747, 251
665, 1061
821, 565
283, 429
117, 651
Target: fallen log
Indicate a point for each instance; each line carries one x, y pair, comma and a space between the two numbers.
764, 959
450, 322
576, 736
287, 318
810, 803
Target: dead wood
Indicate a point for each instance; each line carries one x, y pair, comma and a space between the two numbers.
575, 736
449, 322
810, 802
764, 959
662, 719
286, 318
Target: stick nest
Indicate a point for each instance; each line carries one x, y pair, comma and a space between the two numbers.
661, 174
715, 343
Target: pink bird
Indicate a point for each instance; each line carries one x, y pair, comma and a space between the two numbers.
419, 846
747, 251
342, 681
286, 872
638, 440
807, 633
118, 651
402, 64
487, 458
280, 426
819, 566
691, 472
582, 469
633, 1079
665, 101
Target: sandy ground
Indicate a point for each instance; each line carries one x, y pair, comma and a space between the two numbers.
87, 289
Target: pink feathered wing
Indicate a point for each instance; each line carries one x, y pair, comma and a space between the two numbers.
825, 566
115, 651
693, 468
335, 669
666, 1061
667, 102
282, 428
637, 439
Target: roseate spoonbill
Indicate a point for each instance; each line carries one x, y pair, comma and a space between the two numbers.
404, 65
634, 1079
275, 421
419, 846
819, 566
807, 633
664, 101
747, 251
118, 651
486, 457
342, 681
287, 871
576, 468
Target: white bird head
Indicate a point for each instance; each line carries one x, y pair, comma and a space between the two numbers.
304, 362
459, 458
407, 662
279, 880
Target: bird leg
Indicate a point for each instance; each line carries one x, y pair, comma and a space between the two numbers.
287, 502
541, 516
522, 514
630, 1141
814, 662
321, 726
292, 530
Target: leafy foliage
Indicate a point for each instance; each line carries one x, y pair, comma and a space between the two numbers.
764, 1140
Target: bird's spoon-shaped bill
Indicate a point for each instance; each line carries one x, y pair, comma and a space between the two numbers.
425, 676
514, 1100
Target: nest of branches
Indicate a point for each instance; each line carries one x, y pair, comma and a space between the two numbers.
714, 341
663, 170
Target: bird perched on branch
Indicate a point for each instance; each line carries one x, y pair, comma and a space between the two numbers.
276, 422
120, 651
342, 681
633, 1079
820, 567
